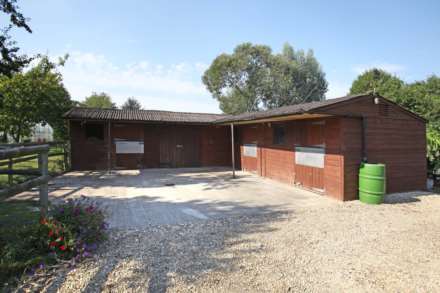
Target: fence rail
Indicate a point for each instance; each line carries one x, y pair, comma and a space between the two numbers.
56, 149
42, 152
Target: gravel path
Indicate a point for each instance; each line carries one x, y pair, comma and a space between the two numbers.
345, 247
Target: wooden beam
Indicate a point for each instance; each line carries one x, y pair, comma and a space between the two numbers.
19, 160
233, 150
10, 176
109, 147
43, 165
23, 150
15, 189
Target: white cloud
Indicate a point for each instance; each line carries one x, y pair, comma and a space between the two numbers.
389, 67
337, 89
173, 87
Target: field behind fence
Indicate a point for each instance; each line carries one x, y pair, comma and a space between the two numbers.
58, 163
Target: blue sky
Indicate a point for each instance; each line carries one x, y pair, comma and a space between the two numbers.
157, 51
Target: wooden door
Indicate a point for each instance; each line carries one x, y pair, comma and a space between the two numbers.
179, 147
164, 151
309, 158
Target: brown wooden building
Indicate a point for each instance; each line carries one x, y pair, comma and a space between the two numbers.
146, 139
317, 145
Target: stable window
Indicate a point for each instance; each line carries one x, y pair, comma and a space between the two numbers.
94, 131
279, 135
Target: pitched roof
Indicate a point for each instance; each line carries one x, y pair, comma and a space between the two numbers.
206, 118
141, 115
286, 110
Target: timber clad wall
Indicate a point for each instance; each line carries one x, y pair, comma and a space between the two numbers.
164, 146
393, 137
278, 161
87, 154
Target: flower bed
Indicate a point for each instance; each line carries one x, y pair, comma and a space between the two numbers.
72, 231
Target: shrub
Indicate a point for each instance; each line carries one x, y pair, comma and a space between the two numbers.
85, 221
73, 230
22, 248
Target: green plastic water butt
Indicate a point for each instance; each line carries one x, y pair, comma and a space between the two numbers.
372, 183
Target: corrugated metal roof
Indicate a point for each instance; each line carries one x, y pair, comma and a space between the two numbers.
140, 115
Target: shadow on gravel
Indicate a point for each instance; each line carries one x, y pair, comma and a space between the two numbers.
213, 178
407, 197
187, 251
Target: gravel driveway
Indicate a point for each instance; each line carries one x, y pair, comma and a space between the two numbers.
341, 247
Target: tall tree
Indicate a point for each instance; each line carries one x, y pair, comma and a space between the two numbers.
297, 77
252, 78
35, 96
379, 81
131, 104
99, 100
11, 61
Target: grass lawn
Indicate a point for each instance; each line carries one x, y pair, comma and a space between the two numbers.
18, 213
18, 220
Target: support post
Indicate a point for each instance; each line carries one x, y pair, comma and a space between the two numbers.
364, 140
233, 150
43, 164
67, 149
109, 148
10, 176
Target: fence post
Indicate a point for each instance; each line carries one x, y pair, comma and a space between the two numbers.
66, 151
43, 165
63, 145
10, 176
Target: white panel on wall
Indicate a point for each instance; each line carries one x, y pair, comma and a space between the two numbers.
250, 150
312, 157
129, 147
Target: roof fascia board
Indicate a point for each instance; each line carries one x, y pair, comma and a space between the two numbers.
302, 116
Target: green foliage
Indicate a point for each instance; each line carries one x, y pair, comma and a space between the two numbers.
24, 248
252, 78
132, 104
433, 152
31, 97
21, 244
379, 81
84, 219
10, 61
73, 231
421, 97
99, 100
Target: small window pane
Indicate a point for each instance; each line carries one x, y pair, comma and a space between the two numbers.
278, 135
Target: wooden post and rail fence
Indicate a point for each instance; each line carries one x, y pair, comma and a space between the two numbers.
11, 154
